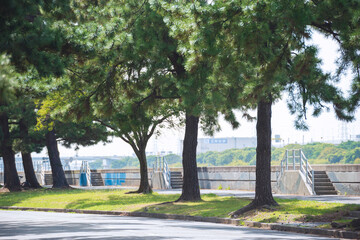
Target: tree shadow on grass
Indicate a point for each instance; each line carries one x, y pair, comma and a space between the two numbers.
121, 201
205, 208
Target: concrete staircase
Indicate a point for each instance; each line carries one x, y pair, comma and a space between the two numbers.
322, 184
96, 179
176, 180
48, 179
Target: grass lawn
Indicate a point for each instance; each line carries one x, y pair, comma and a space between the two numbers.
289, 210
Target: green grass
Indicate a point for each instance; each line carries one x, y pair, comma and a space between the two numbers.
289, 210
293, 210
109, 200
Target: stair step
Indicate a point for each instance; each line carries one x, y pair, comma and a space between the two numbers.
176, 174
323, 184
96, 179
320, 176
176, 180
319, 172
320, 188
322, 180
355, 214
325, 192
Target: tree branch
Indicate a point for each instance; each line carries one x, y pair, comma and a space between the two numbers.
326, 27
106, 124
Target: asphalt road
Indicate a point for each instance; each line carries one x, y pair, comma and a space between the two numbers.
46, 225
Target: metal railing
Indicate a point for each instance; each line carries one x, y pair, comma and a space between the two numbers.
160, 165
295, 159
85, 170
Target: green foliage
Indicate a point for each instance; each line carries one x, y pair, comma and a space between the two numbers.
97, 164
29, 35
230, 157
317, 153
125, 162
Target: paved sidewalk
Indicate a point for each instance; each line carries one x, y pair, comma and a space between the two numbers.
249, 194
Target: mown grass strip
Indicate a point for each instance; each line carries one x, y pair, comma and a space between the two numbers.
289, 210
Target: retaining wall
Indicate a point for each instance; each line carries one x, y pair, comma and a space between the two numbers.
346, 178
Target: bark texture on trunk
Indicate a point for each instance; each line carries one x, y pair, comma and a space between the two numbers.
31, 180
11, 178
59, 180
263, 193
190, 189
144, 177
30, 176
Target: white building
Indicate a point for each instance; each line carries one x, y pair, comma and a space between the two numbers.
221, 144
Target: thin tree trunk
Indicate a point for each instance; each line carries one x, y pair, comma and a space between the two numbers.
190, 189
144, 181
11, 178
263, 193
144, 177
59, 180
31, 180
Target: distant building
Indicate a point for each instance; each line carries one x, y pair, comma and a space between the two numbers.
221, 144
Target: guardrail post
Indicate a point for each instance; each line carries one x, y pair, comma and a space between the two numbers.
294, 159
313, 181
300, 155
287, 158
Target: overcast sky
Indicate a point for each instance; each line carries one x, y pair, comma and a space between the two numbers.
324, 128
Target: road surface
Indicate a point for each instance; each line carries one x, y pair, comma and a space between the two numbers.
47, 225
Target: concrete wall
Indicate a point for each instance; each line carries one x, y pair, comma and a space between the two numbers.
293, 182
346, 178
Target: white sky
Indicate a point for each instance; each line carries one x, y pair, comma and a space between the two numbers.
324, 128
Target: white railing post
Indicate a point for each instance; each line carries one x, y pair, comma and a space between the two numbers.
307, 168
293, 159
287, 158
300, 155
313, 181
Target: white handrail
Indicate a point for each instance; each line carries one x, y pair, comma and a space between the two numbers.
86, 169
303, 164
160, 165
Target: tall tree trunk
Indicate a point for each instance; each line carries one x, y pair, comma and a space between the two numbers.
263, 194
190, 189
31, 180
11, 180
59, 180
144, 177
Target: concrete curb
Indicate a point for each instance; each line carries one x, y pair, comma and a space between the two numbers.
229, 221
305, 230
